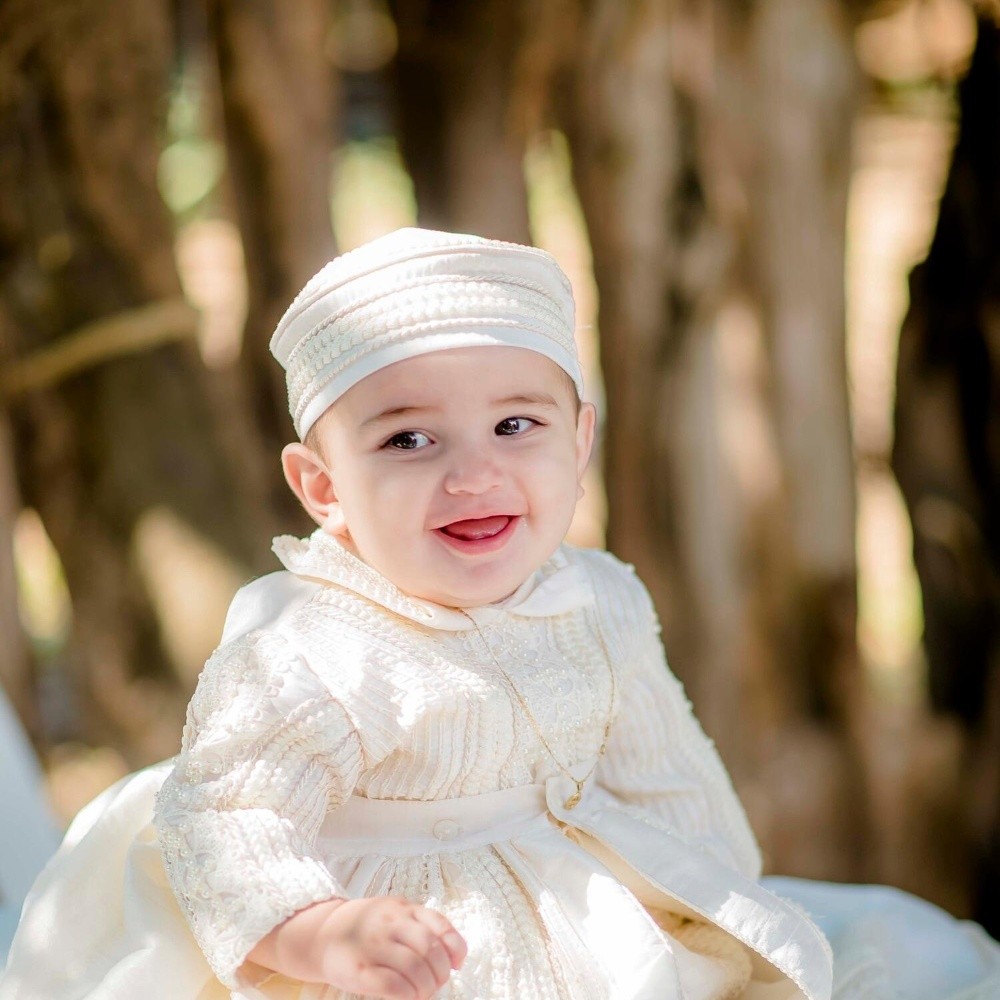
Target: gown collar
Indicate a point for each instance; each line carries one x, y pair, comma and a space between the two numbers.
558, 585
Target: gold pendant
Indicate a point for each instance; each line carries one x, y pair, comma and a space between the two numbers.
573, 800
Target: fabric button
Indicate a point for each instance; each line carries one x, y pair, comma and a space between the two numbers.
446, 829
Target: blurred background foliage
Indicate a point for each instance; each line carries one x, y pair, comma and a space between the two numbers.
781, 219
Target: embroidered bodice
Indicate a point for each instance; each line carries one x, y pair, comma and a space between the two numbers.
330, 682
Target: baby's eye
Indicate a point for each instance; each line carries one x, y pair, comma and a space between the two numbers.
407, 441
509, 426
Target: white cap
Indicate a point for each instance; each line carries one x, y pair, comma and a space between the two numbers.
411, 292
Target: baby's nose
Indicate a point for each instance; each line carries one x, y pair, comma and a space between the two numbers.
473, 473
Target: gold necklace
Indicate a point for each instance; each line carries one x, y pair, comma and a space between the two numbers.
574, 799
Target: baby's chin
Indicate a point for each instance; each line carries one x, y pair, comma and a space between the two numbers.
495, 584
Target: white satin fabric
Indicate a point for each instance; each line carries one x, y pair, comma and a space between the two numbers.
529, 827
102, 923
890, 944
29, 834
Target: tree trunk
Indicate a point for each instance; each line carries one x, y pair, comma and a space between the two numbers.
84, 238
798, 212
461, 132
722, 345
15, 659
279, 96
798, 147
946, 456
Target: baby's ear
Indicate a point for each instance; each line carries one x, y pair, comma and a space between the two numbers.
309, 478
586, 424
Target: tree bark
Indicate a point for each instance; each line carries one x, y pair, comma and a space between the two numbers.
798, 210
84, 236
462, 134
16, 675
279, 101
946, 455
728, 472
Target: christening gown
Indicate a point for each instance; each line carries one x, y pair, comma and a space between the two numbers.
346, 739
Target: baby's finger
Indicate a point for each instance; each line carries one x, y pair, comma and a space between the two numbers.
409, 964
453, 942
425, 942
388, 984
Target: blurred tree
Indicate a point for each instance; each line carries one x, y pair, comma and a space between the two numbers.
459, 131
712, 160
946, 454
279, 100
101, 374
15, 658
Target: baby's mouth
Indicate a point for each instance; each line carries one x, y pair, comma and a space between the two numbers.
477, 527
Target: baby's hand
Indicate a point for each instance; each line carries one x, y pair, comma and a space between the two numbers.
388, 947
383, 946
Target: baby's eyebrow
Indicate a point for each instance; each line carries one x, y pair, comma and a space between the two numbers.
398, 411
531, 398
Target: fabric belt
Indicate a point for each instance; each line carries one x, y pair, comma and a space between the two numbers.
643, 865
403, 827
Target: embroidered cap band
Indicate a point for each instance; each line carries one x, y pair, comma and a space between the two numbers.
411, 292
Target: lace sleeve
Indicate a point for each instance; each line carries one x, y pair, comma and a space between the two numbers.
266, 752
659, 760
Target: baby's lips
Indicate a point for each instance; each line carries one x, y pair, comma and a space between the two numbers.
477, 527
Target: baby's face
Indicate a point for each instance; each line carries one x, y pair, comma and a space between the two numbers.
455, 474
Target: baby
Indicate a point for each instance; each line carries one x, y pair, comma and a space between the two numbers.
418, 762
441, 752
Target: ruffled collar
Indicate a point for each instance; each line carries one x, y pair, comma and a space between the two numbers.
559, 585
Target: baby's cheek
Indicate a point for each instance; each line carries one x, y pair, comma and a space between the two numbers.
559, 503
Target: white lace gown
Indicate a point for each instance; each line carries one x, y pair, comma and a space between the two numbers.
346, 739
